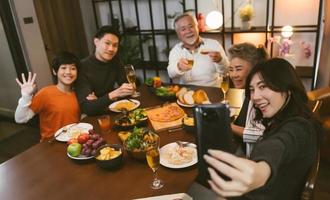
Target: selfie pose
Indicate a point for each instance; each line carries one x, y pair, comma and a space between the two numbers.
282, 157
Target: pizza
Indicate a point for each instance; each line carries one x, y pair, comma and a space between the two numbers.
167, 113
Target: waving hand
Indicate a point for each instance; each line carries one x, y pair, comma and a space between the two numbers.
27, 86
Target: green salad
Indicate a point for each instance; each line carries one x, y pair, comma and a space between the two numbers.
140, 139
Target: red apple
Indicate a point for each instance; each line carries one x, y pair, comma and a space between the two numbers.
82, 138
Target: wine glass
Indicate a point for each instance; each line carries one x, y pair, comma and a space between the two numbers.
152, 155
224, 85
131, 78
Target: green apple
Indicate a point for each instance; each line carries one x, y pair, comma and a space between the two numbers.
74, 149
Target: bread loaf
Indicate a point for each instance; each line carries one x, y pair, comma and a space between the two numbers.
200, 96
181, 91
188, 97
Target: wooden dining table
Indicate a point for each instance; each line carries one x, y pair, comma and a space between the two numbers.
46, 172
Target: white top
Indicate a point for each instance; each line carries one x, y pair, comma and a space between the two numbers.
252, 131
204, 72
23, 111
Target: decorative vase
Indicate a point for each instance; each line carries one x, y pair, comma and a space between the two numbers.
246, 25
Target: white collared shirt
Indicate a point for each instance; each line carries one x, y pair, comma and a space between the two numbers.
204, 71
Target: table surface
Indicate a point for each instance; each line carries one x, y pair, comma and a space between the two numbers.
46, 172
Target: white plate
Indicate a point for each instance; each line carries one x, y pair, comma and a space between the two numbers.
165, 163
113, 105
80, 127
80, 157
185, 105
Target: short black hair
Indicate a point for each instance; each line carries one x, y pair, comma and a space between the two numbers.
106, 30
65, 57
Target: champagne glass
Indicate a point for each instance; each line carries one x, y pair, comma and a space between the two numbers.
224, 85
131, 78
152, 156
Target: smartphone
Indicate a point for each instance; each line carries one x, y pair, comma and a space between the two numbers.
213, 132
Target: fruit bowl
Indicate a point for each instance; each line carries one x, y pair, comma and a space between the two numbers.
138, 142
109, 156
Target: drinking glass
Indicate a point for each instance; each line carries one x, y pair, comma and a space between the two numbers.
131, 78
152, 156
224, 85
104, 123
190, 58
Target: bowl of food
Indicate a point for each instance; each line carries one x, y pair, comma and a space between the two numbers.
188, 124
137, 117
167, 93
138, 141
109, 156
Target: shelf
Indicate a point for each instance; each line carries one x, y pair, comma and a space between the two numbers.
254, 29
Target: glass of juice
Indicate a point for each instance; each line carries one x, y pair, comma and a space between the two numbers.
104, 123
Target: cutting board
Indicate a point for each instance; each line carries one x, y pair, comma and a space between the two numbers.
162, 126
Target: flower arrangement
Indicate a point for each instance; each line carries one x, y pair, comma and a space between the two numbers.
284, 45
246, 13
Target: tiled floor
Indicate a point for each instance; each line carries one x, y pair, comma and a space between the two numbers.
15, 139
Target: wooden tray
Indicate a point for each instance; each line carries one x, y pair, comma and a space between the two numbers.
162, 126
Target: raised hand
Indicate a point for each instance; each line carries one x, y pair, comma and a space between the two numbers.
245, 175
27, 86
183, 65
215, 56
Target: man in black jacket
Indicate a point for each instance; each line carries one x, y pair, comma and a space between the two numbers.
100, 73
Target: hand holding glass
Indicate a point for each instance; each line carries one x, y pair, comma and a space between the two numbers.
190, 58
152, 156
131, 78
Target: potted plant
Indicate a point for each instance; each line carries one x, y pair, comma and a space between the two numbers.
246, 13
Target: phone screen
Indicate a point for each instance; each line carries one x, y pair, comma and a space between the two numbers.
213, 132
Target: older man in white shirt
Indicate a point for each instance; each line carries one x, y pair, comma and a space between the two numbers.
209, 58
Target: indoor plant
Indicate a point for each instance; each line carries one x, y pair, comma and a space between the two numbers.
246, 13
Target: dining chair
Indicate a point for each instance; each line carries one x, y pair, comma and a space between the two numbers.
316, 97
320, 101
309, 188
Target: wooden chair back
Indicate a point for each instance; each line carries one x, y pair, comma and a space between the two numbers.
308, 190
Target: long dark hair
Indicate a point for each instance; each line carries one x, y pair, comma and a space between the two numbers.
280, 76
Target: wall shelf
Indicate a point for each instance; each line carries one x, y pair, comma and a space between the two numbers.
226, 33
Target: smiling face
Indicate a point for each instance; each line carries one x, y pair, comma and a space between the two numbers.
187, 31
106, 47
238, 71
266, 100
66, 75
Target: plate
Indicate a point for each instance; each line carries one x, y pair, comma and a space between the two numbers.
73, 131
112, 107
185, 105
163, 161
80, 157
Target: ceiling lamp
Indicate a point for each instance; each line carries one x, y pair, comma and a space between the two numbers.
214, 20
287, 31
